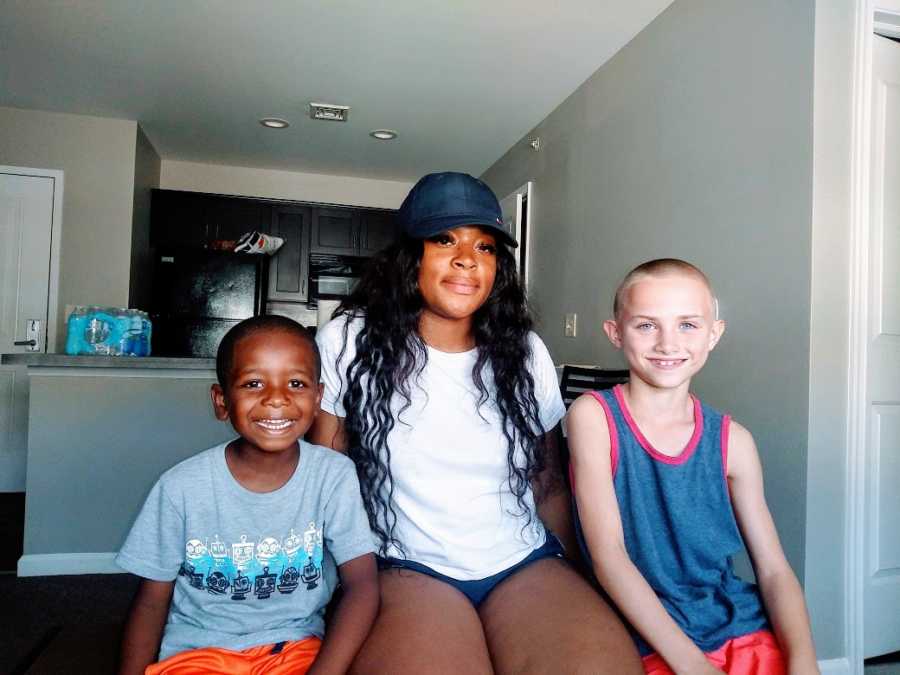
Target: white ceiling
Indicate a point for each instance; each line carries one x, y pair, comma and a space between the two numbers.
460, 80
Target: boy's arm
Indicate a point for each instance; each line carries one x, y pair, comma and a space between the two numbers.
601, 523
778, 585
144, 627
353, 617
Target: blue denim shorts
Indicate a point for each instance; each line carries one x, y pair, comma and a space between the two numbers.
476, 590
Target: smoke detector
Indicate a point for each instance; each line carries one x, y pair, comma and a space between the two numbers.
329, 111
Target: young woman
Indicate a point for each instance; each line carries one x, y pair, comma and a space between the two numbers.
445, 399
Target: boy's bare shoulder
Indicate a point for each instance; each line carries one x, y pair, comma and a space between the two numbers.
743, 457
739, 436
586, 419
586, 406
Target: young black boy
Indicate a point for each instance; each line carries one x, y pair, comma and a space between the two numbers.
240, 547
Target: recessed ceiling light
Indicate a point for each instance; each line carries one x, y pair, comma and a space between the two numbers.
274, 123
383, 134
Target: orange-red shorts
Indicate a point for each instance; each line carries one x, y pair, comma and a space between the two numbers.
278, 659
754, 654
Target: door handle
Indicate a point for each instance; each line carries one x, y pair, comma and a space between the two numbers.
32, 341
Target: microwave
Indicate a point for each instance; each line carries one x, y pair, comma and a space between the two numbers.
333, 277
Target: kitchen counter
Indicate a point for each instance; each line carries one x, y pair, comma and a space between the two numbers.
67, 361
101, 430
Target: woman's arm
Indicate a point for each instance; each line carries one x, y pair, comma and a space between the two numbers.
601, 523
328, 431
778, 584
353, 616
552, 497
144, 627
553, 500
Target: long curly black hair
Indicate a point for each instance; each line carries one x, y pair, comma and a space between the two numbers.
390, 354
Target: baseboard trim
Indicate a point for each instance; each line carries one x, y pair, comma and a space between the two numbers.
50, 564
835, 667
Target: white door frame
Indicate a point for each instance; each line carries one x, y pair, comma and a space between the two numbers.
859, 315
55, 242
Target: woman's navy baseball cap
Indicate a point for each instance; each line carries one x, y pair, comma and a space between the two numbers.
442, 201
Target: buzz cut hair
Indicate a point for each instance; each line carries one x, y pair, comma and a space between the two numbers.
266, 322
661, 267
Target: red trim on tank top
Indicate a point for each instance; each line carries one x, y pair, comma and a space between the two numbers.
726, 429
613, 432
688, 450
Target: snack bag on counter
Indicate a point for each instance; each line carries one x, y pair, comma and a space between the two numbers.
108, 331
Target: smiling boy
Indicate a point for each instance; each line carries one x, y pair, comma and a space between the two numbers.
240, 547
669, 489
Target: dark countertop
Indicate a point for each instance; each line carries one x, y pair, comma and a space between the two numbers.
137, 362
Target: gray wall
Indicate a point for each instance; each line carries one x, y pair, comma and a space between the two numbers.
96, 445
97, 156
146, 177
694, 141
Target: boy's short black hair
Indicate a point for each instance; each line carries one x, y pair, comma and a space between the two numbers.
271, 322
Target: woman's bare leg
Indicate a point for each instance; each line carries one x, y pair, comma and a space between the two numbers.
424, 626
547, 619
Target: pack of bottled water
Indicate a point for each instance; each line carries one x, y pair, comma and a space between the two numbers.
108, 331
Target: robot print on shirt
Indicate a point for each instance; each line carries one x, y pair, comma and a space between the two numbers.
242, 553
290, 576
255, 567
195, 554
312, 546
241, 587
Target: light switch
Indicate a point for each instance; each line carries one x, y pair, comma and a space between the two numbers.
570, 327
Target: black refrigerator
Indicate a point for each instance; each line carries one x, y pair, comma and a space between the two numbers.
198, 295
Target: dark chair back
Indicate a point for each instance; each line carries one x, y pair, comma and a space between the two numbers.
578, 379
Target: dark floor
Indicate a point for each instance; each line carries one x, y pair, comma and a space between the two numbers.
889, 664
72, 624
12, 526
62, 624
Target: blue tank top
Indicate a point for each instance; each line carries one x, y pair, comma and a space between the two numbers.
679, 526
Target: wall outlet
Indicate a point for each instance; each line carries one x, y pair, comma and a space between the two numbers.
570, 326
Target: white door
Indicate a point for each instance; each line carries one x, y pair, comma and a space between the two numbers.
516, 210
26, 222
882, 493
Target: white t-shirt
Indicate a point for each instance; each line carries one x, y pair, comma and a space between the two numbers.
455, 511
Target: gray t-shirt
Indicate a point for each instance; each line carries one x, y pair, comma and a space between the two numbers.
249, 568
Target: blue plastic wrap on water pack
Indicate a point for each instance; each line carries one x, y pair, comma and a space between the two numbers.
108, 331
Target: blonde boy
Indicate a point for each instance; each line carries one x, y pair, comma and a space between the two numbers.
666, 487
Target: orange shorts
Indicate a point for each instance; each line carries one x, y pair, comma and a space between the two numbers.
292, 657
754, 654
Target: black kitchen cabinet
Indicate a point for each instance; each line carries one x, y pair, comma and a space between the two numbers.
377, 230
289, 267
177, 219
335, 231
229, 217
196, 220
352, 232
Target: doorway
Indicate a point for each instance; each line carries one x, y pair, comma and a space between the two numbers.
872, 617
516, 209
30, 221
